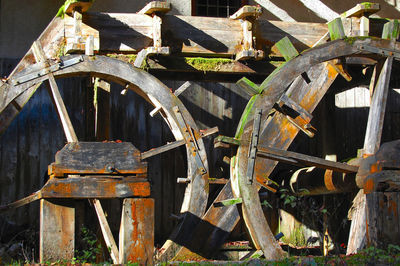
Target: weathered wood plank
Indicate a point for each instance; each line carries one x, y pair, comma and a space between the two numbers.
57, 230
362, 9
391, 30
383, 219
247, 11
194, 35
136, 235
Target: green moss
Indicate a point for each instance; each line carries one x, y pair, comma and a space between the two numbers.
207, 64
351, 40
367, 4
131, 58
63, 8
61, 49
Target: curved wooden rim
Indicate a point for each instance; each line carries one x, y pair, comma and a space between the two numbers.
156, 93
273, 88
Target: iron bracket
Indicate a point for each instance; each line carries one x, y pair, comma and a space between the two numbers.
253, 146
46, 70
296, 114
382, 51
189, 135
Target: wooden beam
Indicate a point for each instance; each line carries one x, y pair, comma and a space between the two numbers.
190, 35
362, 9
247, 11
175, 144
56, 96
155, 6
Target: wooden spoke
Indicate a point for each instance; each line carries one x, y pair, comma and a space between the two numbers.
175, 144
357, 235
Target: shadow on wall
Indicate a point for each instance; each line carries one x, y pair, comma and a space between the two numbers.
319, 10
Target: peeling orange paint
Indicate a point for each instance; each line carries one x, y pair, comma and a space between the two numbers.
369, 186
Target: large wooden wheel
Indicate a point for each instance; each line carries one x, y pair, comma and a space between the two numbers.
21, 83
263, 128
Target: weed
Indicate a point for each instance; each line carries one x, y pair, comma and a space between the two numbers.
90, 248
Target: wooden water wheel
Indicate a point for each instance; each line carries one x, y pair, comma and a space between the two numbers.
28, 76
266, 129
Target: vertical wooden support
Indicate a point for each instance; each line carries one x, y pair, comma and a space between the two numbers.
136, 236
57, 221
364, 26
157, 31
154, 8
77, 26
57, 230
357, 236
247, 15
383, 219
89, 45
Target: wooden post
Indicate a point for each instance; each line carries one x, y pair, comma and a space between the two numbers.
57, 230
383, 219
57, 222
136, 236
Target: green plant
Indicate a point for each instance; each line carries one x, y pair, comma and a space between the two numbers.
290, 199
90, 247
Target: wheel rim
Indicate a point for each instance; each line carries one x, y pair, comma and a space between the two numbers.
157, 94
274, 87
